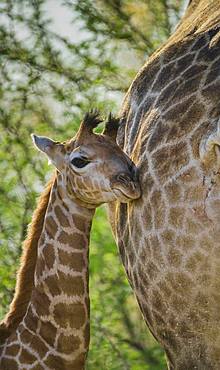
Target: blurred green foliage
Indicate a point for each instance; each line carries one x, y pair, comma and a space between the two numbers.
47, 81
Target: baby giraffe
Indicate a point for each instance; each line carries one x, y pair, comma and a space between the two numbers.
91, 170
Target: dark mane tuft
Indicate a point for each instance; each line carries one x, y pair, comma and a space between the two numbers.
92, 119
111, 126
112, 122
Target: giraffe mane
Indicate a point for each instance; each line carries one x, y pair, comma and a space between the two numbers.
25, 275
111, 126
92, 119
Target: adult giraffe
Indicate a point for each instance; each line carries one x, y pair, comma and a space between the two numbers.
169, 240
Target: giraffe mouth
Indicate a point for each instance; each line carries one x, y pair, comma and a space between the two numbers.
120, 195
125, 187
127, 194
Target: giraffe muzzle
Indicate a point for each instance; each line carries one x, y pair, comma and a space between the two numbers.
128, 185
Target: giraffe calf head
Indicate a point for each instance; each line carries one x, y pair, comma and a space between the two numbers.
93, 167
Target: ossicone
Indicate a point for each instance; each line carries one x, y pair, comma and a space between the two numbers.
111, 126
90, 121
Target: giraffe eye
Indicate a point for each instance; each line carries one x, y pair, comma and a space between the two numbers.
80, 162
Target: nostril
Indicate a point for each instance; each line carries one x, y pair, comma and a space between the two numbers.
123, 178
126, 183
134, 185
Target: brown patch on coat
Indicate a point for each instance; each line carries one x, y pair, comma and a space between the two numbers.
7, 363
74, 316
51, 226
35, 342
41, 302
12, 350
49, 255
31, 320
75, 240
75, 261
48, 332
176, 217
61, 217
178, 157
68, 344
26, 357
80, 223
79, 362
55, 362
66, 284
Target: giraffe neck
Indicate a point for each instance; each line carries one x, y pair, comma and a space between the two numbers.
61, 275
55, 330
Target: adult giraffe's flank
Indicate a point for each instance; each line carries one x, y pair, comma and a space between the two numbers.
91, 170
169, 240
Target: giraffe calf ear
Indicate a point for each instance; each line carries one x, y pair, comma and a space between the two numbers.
51, 148
42, 143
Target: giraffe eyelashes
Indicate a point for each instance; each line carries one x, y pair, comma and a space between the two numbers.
80, 162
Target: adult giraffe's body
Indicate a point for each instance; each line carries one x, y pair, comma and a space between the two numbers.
169, 240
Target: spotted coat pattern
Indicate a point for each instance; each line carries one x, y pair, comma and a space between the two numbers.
169, 240
54, 333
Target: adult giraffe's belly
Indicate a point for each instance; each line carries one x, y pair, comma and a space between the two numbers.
169, 239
